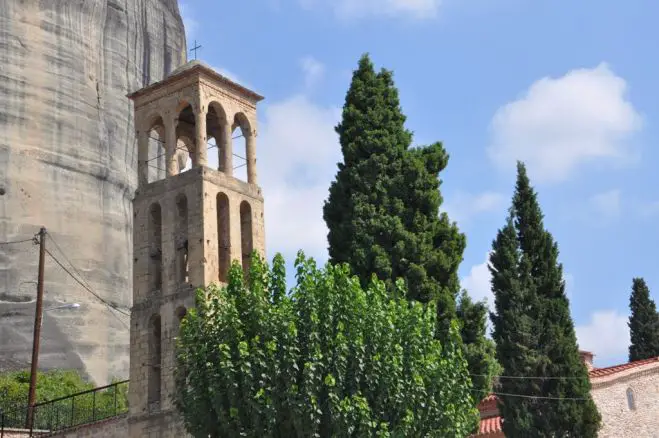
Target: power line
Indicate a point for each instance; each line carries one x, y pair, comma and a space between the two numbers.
13, 242
85, 286
77, 271
110, 306
529, 377
185, 149
538, 397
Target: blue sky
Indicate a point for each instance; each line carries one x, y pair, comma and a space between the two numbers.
570, 88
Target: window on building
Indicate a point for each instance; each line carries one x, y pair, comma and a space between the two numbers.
223, 237
246, 235
182, 249
155, 360
631, 401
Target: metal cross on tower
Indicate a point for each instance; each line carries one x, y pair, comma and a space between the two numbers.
195, 48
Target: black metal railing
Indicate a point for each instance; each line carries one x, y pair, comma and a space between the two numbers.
63, 413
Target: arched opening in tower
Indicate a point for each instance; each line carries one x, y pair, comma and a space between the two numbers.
181, 239
223, 237
155, 248
218, 135
185, 137
246, 235
241, 129
155, 360
156, 158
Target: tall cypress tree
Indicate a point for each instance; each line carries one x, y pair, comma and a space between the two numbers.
643, 323
383, 207
479, 351
534, 331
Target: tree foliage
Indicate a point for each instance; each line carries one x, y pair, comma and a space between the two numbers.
479, 351
534, 331
330, 358
383, 207
53, 385
643, 323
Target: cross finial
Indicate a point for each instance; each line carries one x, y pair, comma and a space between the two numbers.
195, 48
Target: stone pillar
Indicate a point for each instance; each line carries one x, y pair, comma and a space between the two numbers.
201, 155
226, 151
170, 146
250, 149
142, 158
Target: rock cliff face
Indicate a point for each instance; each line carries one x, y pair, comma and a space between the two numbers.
68, 162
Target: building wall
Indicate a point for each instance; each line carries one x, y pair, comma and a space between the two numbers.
618, 420
116, 427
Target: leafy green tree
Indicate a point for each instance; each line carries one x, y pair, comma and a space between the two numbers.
328, 359
53, 385
478, 350
383, 207
643, 323
534, 331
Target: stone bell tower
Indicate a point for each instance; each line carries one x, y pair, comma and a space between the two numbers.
188, 225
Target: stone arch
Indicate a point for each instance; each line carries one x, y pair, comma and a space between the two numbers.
246, 236
248, 131
182, 104
155, 247
185, 135
179, 314
631, 399
155, 360
156, 160
218, 127
223, 236
181, 239
185, 150
241, 142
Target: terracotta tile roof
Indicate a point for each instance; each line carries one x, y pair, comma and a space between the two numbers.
490, 426
602, 372
488, 406
493, 425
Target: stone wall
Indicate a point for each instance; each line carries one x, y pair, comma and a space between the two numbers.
619, 419
116, 427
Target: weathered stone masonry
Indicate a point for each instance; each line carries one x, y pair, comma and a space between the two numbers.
188, 227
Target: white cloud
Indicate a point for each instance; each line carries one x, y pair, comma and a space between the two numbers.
313, 71
562, 123
478, 283
355, 9
606, 335
189, 22
299, 149
297, 152
461, 206
606, 204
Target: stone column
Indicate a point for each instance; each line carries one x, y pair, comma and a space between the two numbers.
250, 149
142, 158
226, 151
201, 155
170, 146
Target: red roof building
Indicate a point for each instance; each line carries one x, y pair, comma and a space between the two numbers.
627, 397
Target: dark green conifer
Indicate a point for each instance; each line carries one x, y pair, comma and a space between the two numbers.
479, 351
643, 323
534, 331
383, 207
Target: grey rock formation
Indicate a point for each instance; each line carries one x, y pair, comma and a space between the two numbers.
68, 162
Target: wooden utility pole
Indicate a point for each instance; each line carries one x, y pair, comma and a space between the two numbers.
37, 330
